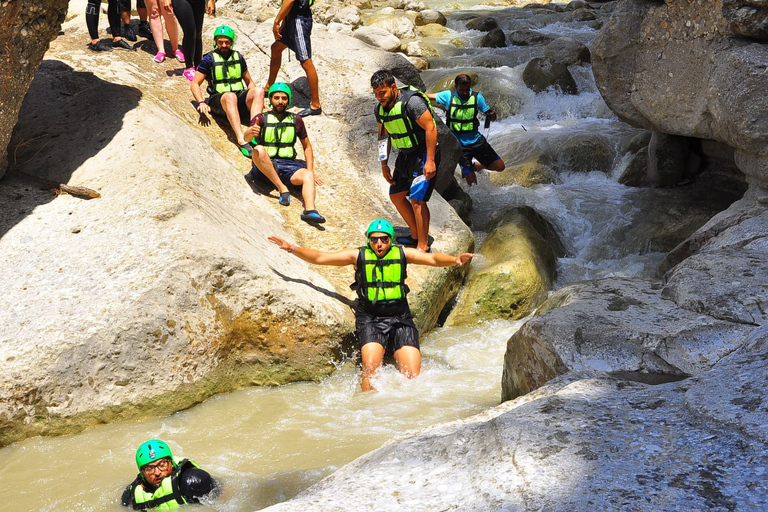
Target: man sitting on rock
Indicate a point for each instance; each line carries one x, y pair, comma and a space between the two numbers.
164, 482
233, 94
462, 106
383, 319
274, 133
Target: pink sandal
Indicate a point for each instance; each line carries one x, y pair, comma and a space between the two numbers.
179, 56
159, 57
189, 73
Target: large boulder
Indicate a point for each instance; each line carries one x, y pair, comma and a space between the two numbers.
713, 79
378, 38
516, 270
26, 30
568, 51
399, 26
165, 290
542, 73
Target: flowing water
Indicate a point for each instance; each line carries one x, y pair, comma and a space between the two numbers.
267, 444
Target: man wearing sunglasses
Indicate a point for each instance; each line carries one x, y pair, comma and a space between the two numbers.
165, 483
383, 319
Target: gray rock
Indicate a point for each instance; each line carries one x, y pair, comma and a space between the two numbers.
495, 38
349, 16
668, 157
542, 73
747, 18
636, 173
378, 38
568, 51
483, 24
529, 38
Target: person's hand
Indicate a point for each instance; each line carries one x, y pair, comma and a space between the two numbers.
252, 132
471, 178
461, 259
491, 114
429, 170
203, 108
276, 29
280, 243
210, 9
318, 181
387, 173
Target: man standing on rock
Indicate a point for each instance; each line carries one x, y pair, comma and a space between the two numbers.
292, 28
406, 123
274, 133
383, 320
462, 106
233, 94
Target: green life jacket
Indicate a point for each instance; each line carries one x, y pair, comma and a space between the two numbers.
227, 75
403, 133
278, 137
167, 496
381, 279
462, 117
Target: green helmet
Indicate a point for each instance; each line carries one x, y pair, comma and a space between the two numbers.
223, 30
151, 451
280, 87
380, 226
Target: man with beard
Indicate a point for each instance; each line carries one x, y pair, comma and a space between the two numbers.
406, 123
383, 320
164, 482
462, 106
274, 134
233, 94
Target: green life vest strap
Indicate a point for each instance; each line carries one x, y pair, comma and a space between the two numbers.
279, 137
381, 279
227, 72
402, 132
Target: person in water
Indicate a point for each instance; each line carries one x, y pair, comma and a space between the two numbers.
164, 482
383, 319
233, 94
274, 158
462, 106
406, 123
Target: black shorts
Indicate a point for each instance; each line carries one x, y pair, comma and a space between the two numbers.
407, 167
480, 151
295, 35
284, 167
392, 332
242, 106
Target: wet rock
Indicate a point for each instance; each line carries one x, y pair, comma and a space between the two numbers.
517, 271
668, 157
582, 153
428, 16
420, 49
576, 4
431, 30
483, 24
636, 173
567, 51
529, 38
542, 73
495, 38
583, 15
525, 174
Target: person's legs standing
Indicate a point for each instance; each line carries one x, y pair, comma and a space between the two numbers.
371, 355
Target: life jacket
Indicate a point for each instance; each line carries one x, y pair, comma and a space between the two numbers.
382, 280
278, 137
462, 117
227, 75
402, 132
167, 496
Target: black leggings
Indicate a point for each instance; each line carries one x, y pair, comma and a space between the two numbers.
190, 14
92, 17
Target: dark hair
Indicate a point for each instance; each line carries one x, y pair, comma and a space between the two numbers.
462, 79
382, 77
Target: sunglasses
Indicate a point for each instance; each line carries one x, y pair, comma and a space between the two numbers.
160, 465
383, 239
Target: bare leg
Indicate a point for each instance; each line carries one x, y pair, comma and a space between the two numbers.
408, 361
405, 210
229, 105
421, 213
262, 161
255, 101
306, 179
155, 23
309, 69
496, 165
275, 61
372, 355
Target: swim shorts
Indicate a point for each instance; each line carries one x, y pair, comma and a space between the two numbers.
392, 332
407, 167
242, 106
481, 151
285, 168
295, 35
